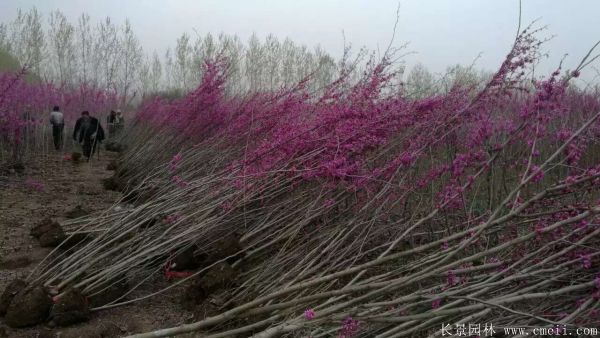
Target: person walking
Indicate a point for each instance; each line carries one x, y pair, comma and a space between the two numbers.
120, 119
111, 121
57, 121
88, 133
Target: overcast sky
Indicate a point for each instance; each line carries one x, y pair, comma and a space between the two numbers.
441, 32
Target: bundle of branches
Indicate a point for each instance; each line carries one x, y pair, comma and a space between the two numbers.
360, 211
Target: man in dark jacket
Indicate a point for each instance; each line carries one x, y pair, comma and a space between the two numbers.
88, 132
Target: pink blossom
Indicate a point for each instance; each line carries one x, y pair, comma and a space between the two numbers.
309, 314
350, 327
174, 164
586, 261
538, 174
451, 279
583, 224
328, 202
179, 181
539, 228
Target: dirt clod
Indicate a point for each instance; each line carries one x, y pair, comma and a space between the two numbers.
43, 226
227, 246
9, 293
15, 261
28, 307
114, 146
186, 260
112, 165
217, 277
52, 237
70, 308
18, 167
113, 183
48, 232
77, 212
110, 294
76, 240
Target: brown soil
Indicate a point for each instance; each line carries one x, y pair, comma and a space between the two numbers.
67, 187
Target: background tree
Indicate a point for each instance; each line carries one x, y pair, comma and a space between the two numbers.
108, 51
183, 61
61, 51
84, 45
131, 57
27, 39
108, 55
156, 74
420, 82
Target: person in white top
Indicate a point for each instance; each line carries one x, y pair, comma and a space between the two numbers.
57, 121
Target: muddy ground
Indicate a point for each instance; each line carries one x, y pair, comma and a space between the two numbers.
51, 186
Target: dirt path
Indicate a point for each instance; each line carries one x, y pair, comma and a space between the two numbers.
51, 187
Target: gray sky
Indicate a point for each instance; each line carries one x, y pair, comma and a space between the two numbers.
441, 32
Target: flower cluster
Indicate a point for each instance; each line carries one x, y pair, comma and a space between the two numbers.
309, 314
349, 328
174, 164
180, 182
451, 278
